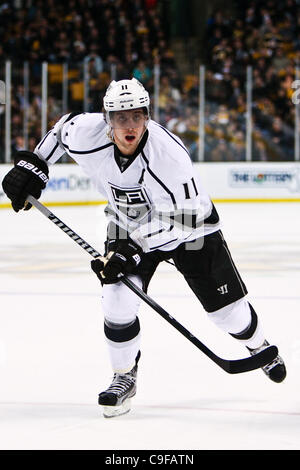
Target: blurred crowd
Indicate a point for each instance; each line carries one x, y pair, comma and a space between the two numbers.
265, 35
121, 38
110, 37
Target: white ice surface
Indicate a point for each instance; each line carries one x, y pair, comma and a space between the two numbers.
53, 359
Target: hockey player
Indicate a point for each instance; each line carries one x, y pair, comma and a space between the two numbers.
157, 210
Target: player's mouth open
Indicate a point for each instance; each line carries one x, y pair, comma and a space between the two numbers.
130, 138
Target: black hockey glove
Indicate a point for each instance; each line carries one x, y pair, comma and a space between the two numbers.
123, 260
29, 176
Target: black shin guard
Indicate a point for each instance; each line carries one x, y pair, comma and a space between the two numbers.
119, 332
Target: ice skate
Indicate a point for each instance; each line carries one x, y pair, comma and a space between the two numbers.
275, 370
116, 400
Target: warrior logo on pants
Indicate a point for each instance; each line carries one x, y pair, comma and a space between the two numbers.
223, 289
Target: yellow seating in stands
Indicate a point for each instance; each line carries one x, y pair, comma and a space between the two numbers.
55, 73
189, 82
77, 91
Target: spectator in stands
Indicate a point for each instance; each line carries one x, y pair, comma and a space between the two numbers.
238, 148
142, 72
278, 135
221, 152
78, 53
95, 60
259, 148
169, 97
18, 143
280, 61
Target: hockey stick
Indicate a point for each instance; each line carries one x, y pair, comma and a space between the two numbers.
231, 366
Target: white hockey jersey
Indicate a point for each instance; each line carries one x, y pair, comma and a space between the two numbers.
156, 196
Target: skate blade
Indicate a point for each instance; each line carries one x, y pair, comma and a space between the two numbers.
112, 411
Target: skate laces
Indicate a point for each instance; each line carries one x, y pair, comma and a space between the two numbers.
121, 384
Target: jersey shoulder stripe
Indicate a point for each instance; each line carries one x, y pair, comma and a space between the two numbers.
157, 178
44, 138
172, 137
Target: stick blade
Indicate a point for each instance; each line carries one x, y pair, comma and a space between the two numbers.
257, 361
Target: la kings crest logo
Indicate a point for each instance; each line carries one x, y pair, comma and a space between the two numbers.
133, 202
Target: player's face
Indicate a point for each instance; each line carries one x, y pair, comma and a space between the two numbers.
128, 127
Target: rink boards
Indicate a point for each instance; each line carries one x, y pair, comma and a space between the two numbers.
225, 182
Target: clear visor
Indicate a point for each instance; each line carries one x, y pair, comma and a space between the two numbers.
127, 119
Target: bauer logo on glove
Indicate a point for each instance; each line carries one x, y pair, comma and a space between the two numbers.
28, 176
34, 169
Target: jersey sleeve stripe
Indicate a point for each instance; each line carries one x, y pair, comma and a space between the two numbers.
52, 151
84, 152
41, 143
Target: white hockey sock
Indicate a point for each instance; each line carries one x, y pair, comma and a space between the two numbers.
240, 321
122, 331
